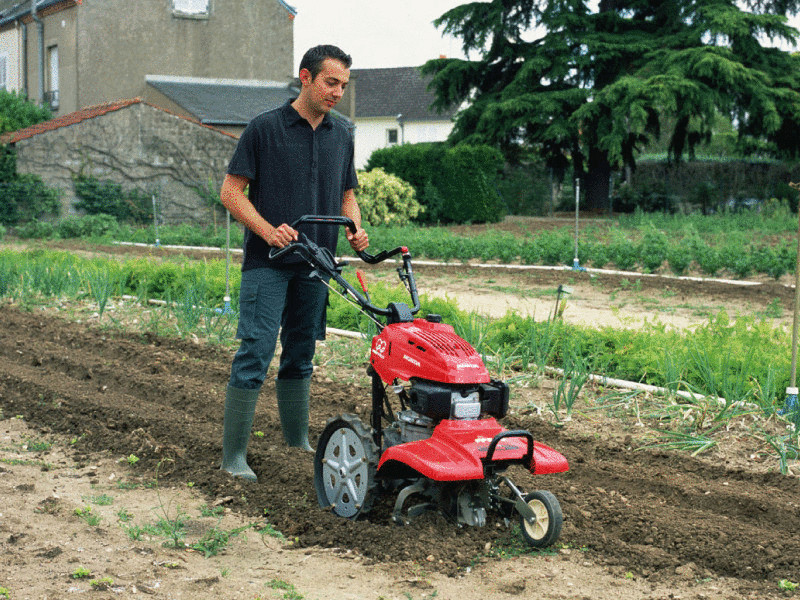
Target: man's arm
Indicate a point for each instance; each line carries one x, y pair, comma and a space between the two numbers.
236, 201
358, 241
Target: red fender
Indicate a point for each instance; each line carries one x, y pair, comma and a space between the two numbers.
455, 450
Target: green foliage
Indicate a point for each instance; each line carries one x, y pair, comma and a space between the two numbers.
597, 83
653, 249
89, 226
455, 185
17, 113
109, 198
26, 198
467, 183
385, 199
417, 164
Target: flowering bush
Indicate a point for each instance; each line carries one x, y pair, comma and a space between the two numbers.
385, 199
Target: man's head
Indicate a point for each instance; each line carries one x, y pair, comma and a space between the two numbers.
324, 74
312, 60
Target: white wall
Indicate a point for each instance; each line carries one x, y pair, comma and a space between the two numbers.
371, 134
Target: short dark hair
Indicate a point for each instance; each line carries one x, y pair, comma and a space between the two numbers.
313, 58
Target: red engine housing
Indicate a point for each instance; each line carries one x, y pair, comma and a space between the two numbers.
426, 350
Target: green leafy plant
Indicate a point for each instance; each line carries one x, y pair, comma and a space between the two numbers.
88, 516
101, 584
385, 199
81, 573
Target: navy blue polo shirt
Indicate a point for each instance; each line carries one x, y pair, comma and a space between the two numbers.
294, 170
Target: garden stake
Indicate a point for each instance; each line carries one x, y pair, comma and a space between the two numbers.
576, 265
226, 309
155, 220
791, 391
227, 298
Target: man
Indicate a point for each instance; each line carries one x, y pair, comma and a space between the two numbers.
296, 160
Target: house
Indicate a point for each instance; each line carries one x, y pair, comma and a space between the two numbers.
134, 143
77, 53
392, 106
166, 69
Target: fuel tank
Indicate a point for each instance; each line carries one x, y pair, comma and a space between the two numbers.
427, 350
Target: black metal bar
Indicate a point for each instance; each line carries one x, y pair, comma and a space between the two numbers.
526, 460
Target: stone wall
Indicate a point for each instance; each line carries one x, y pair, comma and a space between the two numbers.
141, 147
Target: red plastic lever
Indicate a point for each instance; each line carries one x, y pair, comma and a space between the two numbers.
363, 283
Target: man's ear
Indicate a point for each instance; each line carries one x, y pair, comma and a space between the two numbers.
305, 76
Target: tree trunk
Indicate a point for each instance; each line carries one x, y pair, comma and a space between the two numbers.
598, 181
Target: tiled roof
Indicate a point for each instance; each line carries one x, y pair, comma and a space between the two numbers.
89, 112
10, 10
388, 92
222, 101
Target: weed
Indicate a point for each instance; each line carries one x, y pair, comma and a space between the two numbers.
38, 445
289, 591
132, 459
101, 500
81, 573
128, 485
216, 539
788, 586
101, 584
5, 593
87, 515
211, 511
124, 515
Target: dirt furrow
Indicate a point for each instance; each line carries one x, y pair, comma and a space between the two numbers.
646, 511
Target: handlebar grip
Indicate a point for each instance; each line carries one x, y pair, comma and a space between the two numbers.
372, 259
326, 220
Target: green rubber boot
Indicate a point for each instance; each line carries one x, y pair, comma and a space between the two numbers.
240, 406
293, 410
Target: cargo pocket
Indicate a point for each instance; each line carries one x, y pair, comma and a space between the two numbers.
248, 299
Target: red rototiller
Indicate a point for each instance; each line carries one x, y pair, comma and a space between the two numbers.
433, 435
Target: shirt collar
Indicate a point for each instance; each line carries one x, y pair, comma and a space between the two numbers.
293, 117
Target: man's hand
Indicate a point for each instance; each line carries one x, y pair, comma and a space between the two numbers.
281, 236
359, 240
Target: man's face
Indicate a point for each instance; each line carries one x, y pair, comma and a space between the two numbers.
326, 89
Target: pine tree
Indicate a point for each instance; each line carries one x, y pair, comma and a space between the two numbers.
588, 88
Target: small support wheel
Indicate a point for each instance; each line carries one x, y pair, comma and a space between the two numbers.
344, 467
547, 527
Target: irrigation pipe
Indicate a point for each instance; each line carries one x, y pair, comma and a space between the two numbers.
510, 267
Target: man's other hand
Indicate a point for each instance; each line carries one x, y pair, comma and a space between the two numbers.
359, 240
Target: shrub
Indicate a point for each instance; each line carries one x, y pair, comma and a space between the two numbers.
92, 226
467, 182
109, 198
26, 198
653, 249
385, 199
36, 230
417, 164
456, 184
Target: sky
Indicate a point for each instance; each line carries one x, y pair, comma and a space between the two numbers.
379, 33
376, 33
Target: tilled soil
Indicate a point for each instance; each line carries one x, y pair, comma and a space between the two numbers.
650, 512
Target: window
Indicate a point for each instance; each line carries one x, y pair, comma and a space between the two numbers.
391, 137
4, 71
51, 95
191, 8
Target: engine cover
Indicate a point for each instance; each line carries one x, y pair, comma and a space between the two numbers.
425, 350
